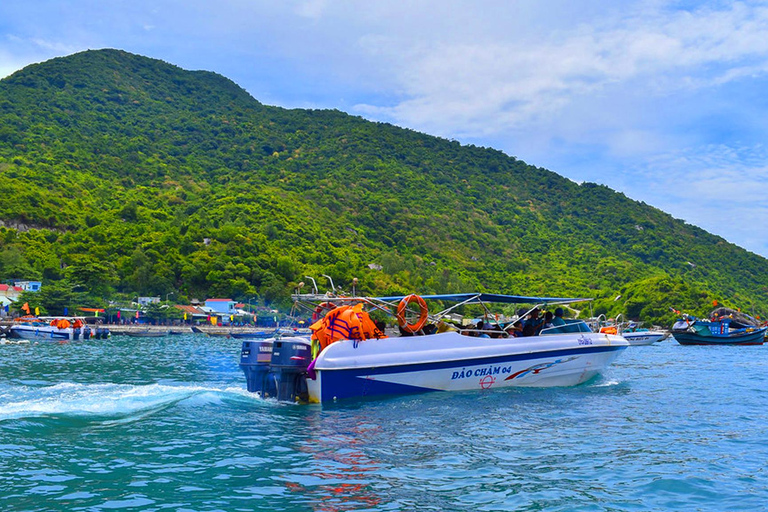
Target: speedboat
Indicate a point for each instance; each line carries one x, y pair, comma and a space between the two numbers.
58, 328
633, 332
724, 326
348, 355
643, 336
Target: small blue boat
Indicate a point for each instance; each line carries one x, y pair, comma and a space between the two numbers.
724, 327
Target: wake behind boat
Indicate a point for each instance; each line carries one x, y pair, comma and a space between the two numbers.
349, 356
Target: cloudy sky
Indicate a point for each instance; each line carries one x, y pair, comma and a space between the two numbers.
665, 101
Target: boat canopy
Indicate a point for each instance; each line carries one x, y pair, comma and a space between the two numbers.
477, 298
738, 319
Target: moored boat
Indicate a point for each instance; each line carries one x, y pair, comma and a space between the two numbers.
147, 333
633, 332
638, 337
48, 328
724, 327
349, 356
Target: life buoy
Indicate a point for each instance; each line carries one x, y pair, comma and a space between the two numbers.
423, 313
321, 309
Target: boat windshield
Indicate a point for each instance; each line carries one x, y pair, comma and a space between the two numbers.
569, 327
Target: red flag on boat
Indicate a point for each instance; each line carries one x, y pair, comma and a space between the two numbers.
25, 307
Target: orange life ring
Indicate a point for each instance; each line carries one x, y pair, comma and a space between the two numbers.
423, 312
322, 308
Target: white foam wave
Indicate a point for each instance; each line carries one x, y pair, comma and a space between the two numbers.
73, 399
607, 382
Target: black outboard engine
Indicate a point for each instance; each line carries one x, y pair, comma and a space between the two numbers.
290, 359
255, 361
277, 367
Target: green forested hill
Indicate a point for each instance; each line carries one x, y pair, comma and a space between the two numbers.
125, 175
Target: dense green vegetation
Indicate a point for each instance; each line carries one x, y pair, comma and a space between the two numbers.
126, 175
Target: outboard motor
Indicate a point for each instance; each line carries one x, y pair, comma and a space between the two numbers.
255, 361
277, 367
290, 359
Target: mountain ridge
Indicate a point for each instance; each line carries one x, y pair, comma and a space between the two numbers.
176, 181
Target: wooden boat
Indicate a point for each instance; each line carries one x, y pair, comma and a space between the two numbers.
724, 327
348, 356
144, 334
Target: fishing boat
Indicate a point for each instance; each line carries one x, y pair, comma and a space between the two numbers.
724, 326
58, 328
348, 355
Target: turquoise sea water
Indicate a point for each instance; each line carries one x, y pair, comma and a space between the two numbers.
166, 424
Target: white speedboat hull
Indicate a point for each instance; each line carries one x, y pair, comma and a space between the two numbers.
453, 362
644, 337
43, 333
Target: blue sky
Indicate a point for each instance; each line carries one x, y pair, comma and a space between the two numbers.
665, 101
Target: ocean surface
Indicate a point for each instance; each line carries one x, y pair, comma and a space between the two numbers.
166, 424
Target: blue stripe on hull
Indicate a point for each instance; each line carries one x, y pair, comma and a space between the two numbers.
37, 334
353, 383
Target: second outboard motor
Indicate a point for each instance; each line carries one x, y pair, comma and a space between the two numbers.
255, 361
290, 359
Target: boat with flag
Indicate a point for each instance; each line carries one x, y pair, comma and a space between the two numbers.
58, 328
350, 355
724, 326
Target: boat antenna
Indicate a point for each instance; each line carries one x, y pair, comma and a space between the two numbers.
354, 284
333, 288
314, 284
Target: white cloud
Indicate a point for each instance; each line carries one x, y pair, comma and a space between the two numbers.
478, 88
723, 189
312, 8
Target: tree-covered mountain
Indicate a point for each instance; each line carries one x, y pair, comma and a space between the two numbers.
129, 176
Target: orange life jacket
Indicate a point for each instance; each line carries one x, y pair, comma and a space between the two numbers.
344, 323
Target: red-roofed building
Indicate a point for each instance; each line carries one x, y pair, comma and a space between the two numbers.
11, 292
